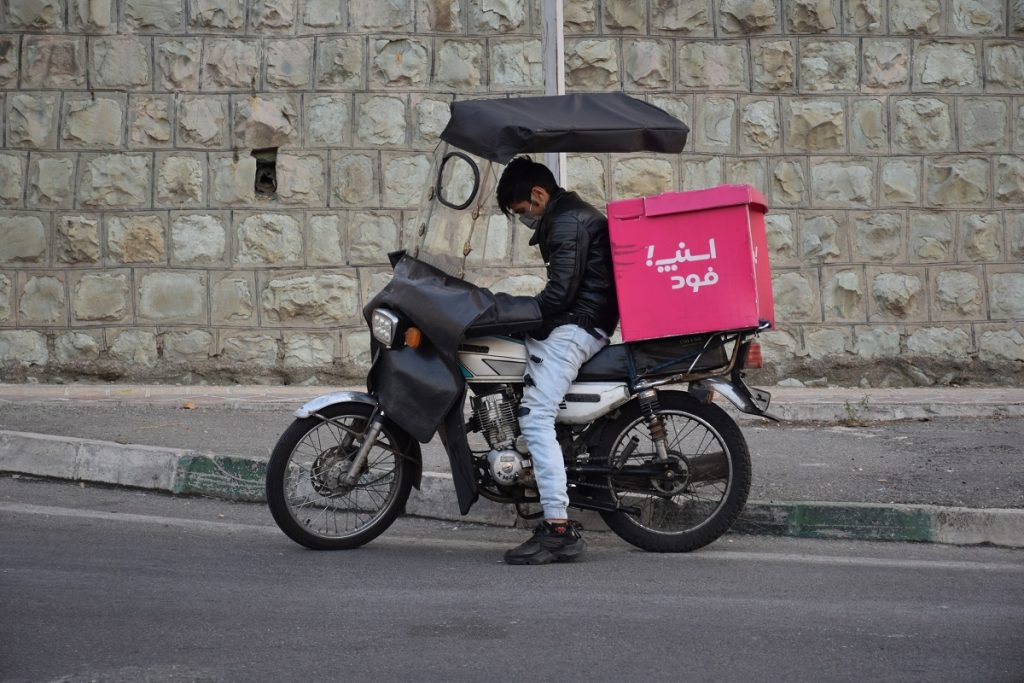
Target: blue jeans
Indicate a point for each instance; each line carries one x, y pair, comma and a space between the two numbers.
552, 367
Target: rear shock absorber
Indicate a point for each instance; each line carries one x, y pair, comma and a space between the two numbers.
649, 408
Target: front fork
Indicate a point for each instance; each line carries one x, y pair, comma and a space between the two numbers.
373, 427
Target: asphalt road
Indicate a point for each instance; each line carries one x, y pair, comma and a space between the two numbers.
110, 585
956, 462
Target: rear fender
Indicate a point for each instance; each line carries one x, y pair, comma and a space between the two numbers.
409, 445
746, 399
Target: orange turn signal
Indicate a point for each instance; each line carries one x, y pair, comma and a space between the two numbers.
413, 337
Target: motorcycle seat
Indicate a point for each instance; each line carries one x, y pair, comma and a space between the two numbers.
654, 358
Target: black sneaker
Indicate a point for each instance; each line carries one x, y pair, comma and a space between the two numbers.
549, 543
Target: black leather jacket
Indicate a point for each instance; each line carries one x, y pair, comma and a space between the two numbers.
573, 239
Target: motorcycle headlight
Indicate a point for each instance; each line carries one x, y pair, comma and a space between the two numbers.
384, 325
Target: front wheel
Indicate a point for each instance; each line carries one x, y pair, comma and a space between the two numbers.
689, 500
306, 488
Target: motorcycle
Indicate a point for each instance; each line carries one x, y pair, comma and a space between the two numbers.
644, 444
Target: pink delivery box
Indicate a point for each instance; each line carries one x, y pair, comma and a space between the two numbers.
691, 262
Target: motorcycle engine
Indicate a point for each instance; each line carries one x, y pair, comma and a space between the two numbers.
496, 414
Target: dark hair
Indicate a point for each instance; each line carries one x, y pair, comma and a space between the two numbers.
519, 178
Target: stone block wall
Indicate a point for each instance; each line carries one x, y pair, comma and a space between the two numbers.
136, 242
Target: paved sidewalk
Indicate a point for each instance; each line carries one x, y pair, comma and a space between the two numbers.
97, 451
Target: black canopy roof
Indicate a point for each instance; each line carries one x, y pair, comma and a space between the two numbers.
601, 122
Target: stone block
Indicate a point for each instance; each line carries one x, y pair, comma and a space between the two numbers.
954, 181
10, 50
516, 64
789, 183
641, 177
796, 295
931, 236
814, 125
1004, 67
827, 342
823, 239
869, 128
12, 178
133, 347
231, 64
812, 16
886, 66
977, 17
354, 180
93, 122
958, 294
1015, 235
326, 243
780, 346
321, 14
179, 180
846, 183
748, 16
177, 63
6, 299
445, 16
169, 297
101, 296
944, 65
900, 181
897, 294
1018, 125
394, 15
715, 124
76, 347
876, 341
984, 124
589, 178
405, 177
321, 298
232, 180
136, 238
307, 350
93, 16
269, 16
339, 63
217, 14
327, 120
119, 62
782, 242
916, 17
1006, 293
289, 63
682, 17
1010, 180
23, 347
490, 244
879, 237
53, 62
232, 299
114, 181
202, 122
268, 239
43, 300
774, 65
183, 347
400, 62
24, 238
922, 124
35, 14
747, 172
50, 181
459, 65
696, 173
828, 66
78, 240
149, 121
864, 16
678, 106
431, 117
371, 235
32, 120
624, 16
263, 121
146, 16
760, 127
382, 120
1017, 16
198, 239
712, 66
592, 63
301, 180
249, 349
941, 342
981, 237
1000, 345
843, 297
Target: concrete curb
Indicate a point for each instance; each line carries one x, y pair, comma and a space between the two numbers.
240, 478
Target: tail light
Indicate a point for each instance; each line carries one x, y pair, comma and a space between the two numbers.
754, 357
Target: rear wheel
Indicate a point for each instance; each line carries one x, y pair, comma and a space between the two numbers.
306, 491
694, 497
